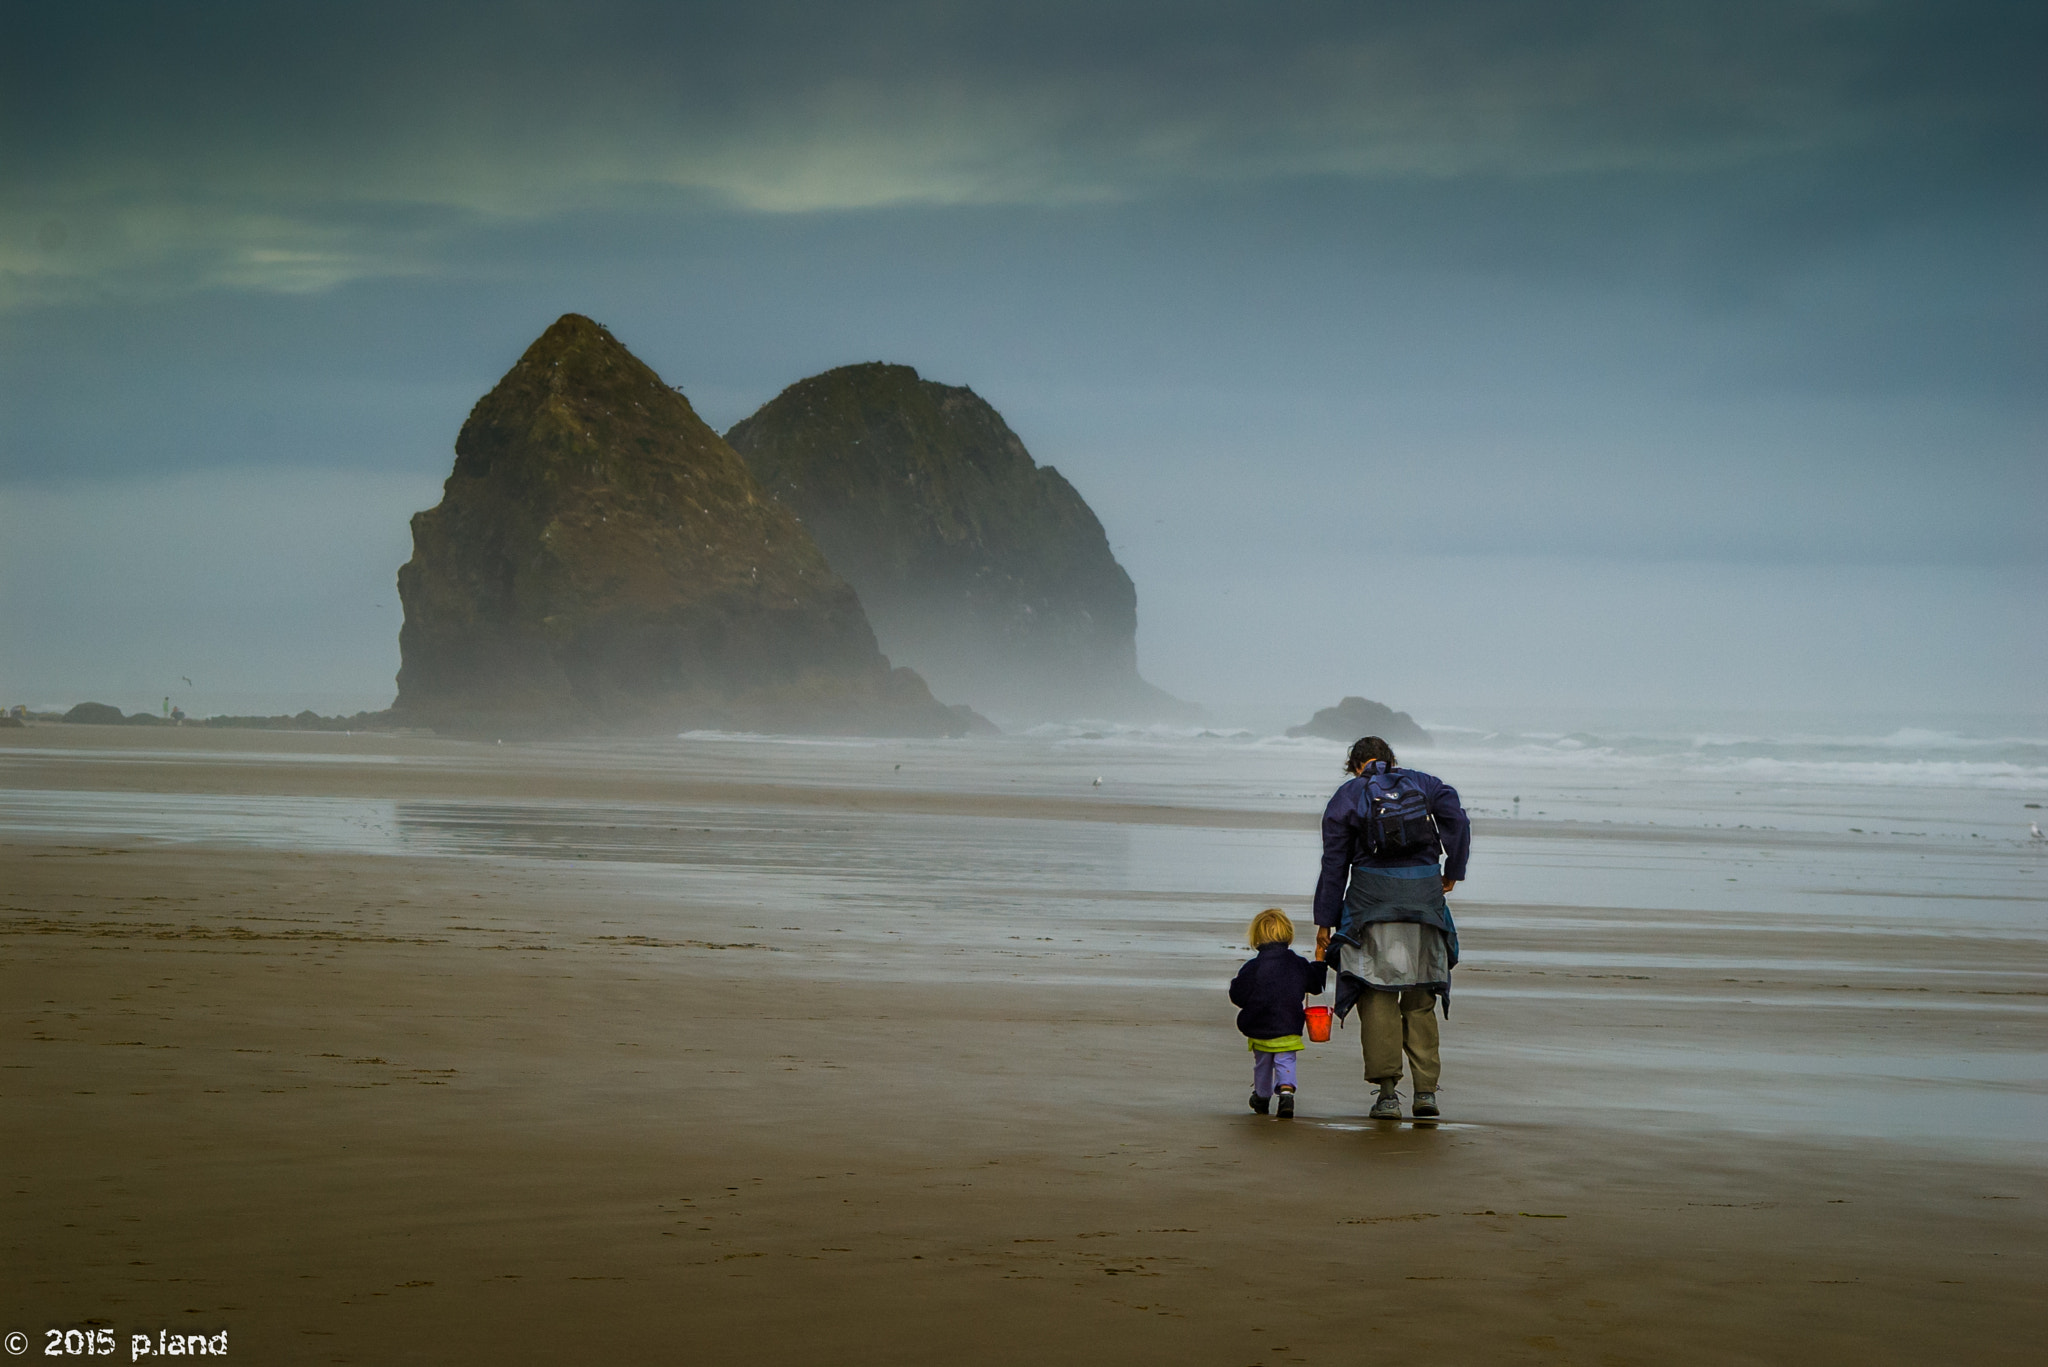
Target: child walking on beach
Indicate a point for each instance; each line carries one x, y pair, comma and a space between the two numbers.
1269, 990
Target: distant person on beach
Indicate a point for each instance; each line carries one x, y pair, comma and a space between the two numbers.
1381, 918
1269, 988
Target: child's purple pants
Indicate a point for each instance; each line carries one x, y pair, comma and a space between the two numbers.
1272, 1070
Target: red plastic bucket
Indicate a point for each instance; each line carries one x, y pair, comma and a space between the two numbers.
1318, 1023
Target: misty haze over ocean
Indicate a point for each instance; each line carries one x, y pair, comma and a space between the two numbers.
1472, 360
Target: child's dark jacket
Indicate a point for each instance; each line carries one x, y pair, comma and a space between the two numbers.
1270, 989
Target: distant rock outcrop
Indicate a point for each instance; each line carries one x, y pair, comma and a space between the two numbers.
1354, 718
104, 714
601, 560
986, 571
307, 720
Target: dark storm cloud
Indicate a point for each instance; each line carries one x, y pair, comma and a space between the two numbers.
246, 234
292, 148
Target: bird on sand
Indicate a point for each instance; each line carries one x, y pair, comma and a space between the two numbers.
1098, 783
2034, 829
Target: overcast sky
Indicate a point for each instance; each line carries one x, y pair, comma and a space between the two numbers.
1468, 356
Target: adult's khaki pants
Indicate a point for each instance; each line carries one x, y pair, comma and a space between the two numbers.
1397, 1023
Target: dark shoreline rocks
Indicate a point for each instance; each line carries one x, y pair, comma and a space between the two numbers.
103, 714
1355, 718
307, 720
97, 714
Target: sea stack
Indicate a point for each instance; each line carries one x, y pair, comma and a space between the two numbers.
601, 561
982, 569
1355, 717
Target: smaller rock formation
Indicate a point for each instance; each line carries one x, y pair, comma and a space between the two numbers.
99, 714
1354, 718
984, 570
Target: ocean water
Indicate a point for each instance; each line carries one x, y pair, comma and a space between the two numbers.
1792, 929
1849, 799
1985, 780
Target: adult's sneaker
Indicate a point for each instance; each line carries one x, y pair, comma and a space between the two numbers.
1259, 1103
1287, 1105
1388, 1107
1425, 1104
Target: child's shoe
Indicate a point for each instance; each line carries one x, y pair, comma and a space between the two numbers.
1287, 1103
1425, 1105
1259, 1103
1388, 1107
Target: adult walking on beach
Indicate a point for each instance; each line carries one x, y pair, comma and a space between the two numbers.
1381, 918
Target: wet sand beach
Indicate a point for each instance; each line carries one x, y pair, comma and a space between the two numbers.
385, 1050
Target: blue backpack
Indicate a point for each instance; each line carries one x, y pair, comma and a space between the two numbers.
1398, 824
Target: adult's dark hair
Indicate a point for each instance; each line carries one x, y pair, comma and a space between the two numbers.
1367, 749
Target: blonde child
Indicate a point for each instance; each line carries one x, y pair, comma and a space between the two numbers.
1269, 990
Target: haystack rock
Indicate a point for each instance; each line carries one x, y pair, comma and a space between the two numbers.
601, 560
1354, 718
982, 569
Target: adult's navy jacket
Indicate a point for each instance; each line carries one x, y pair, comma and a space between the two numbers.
1270, 988
1344, 838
